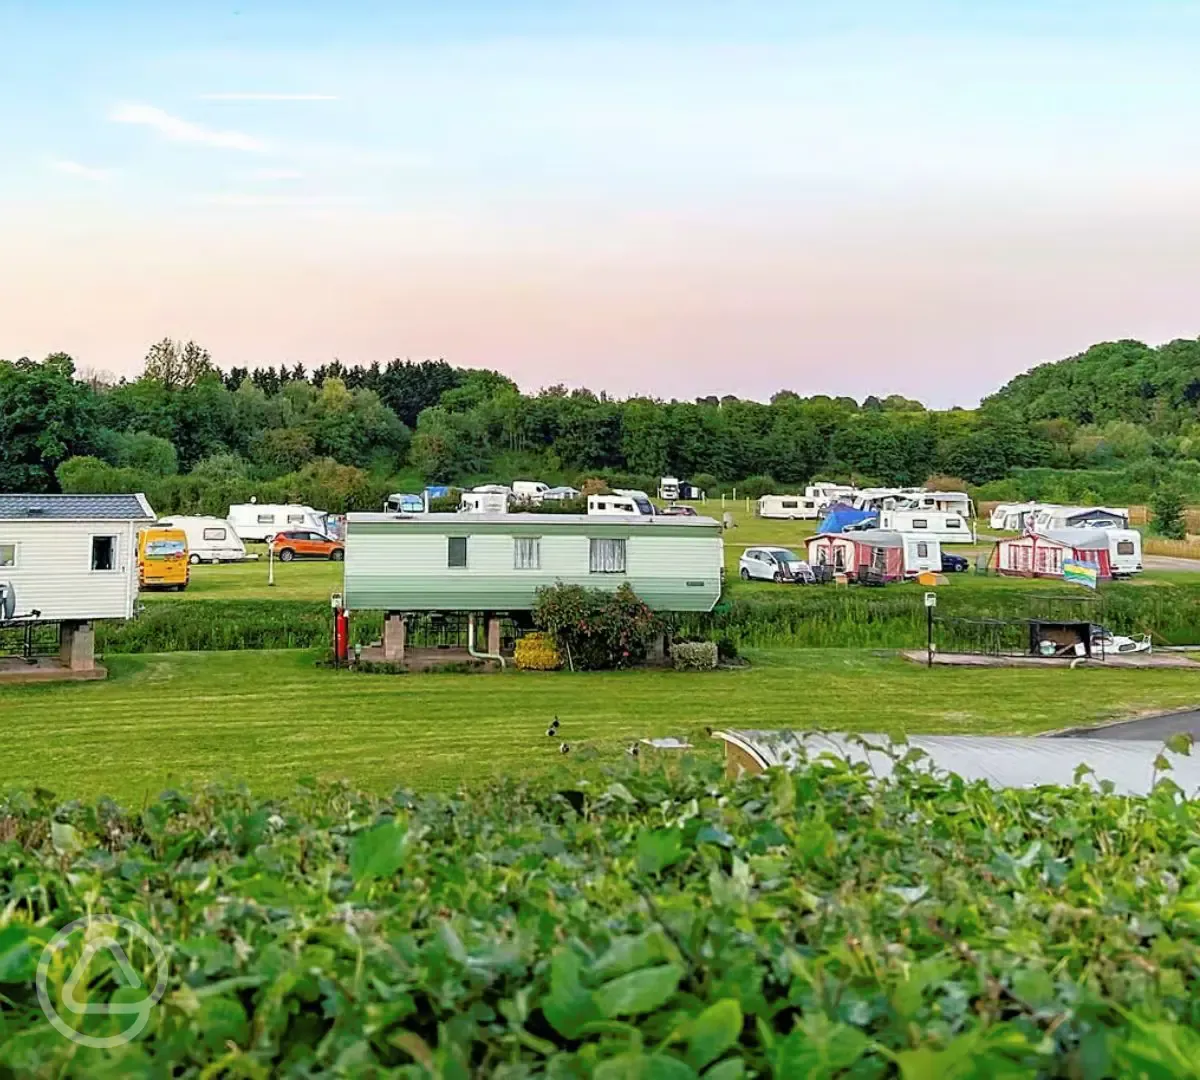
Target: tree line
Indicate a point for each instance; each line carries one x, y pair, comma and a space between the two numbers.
191, 435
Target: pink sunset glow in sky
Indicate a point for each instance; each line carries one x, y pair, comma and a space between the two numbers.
924, 209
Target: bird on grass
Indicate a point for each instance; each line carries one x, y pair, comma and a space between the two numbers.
564, 748
552, 730
632, 749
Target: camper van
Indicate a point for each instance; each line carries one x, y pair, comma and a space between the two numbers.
488, 499
209, 539
163, 559
261, 521
529, 491
791, 507
401, 503
668, 489
620, 504
941, 525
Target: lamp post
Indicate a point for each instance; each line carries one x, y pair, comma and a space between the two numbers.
930, 605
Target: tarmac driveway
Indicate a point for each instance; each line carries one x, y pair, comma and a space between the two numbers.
1150, 728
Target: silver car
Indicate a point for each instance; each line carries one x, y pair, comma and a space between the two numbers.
774, 564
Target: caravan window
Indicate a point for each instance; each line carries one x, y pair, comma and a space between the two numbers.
920, 523
456, 553
791, 504
104, 552
922, 550
1124, 547
214, 533
527, 553
8, 554
295, 519
606, 556
952, 524
266, 519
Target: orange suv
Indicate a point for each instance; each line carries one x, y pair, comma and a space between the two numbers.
302, 544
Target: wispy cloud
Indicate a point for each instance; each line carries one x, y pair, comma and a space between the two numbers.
239, 198
267, 97
74, 168
180, 130
274, 174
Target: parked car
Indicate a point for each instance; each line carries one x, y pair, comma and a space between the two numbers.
303, 544
678, 511
775, 564
954, 564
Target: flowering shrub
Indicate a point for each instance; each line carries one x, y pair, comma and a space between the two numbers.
594, 628
537, 652
694, 655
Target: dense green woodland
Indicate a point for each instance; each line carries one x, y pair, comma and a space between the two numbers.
1115, 423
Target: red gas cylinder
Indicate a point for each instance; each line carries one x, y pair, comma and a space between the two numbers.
341, 634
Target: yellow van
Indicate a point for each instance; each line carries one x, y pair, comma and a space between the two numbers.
163, 559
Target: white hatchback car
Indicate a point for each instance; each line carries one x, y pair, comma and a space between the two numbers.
774, 564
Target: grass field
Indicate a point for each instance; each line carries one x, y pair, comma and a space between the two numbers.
270, 719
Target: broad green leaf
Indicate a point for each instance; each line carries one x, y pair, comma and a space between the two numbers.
729, 1069
569, 1006
64, 838
658, 848
635, 1066
713, 1032
378, 853
639, 991
1180, 743
19, 952
819, 1049
627, 954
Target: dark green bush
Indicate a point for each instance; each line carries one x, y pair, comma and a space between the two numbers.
597, 629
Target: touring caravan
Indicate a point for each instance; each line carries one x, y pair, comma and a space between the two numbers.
1085, 517
529, 491
889, 553
619, 504
209, 539
942, 525
958, 502
790, 507
261, 521
1013, 517
401, 503
488, 499
1124, 551
824, 495
879, 498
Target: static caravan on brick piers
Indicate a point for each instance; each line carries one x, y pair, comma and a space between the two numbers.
70, 559
497, 562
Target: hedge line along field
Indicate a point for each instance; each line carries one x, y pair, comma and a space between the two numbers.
165, 721
771, 616
648, 926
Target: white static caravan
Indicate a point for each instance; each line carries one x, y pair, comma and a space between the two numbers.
497, 562
210, 539
530, 491
488, 499
70, 558
261, 521
789, 507
1013, 517
941, 525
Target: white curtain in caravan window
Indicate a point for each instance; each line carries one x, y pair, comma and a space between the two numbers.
608, 557
527, 553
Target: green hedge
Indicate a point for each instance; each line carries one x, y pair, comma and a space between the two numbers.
814, 925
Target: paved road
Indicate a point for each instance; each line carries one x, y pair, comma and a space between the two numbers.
1154, 728
1170, 562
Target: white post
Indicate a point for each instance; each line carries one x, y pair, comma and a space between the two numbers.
271, 561
722, 500
747, 506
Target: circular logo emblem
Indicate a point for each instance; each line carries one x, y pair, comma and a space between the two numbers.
93, 935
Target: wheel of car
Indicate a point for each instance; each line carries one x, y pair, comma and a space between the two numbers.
194, 559
337, 555
287, 555
745, 574
778, 577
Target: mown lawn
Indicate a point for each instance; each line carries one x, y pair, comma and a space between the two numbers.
271, 718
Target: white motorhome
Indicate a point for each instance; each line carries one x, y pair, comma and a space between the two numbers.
790, 507
487, 499
620, 504
401, 503
668, 489
261, 521
1081, 517
1013, 517
958, 502
879, 498
530, 491
942, 525
210, 539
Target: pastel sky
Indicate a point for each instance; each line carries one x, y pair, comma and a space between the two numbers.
674, 197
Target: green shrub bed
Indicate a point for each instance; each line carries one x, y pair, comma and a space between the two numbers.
819, 924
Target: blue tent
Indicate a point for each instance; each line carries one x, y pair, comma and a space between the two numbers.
437, 491
839, 515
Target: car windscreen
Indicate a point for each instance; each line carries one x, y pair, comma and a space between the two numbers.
784, 555
162, 549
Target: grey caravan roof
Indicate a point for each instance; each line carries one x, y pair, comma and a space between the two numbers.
75, 508
884, 538
1001, 761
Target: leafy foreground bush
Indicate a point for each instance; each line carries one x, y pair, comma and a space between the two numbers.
597, 628
819, 924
